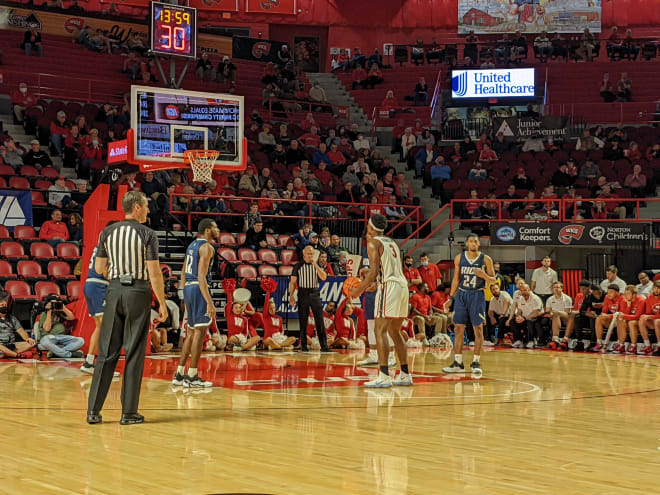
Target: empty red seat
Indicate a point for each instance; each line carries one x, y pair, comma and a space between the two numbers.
38, 199
68, 251
283, 240
73, 290
267, 256
270, 239
30, 270
45, 289
267, 271
246, 271
6, 271
19, 183
60, 270
42, 184
12, 250
50, 172
228, 254
7, 170
241, 238
247, 254
25, 233
288, 256
42, 251
227, 239
4, 233
19, 290
29, 171
285, 270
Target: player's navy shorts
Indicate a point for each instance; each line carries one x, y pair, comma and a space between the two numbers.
195, 306
470, 304
95, 296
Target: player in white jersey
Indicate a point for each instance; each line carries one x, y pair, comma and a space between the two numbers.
391, 301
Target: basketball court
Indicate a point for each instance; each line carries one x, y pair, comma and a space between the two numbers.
286, 423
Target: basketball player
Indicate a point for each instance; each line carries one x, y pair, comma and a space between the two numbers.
472, 271
391, 301
94, 291
195, 279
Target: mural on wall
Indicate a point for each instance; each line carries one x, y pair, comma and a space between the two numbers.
528, 16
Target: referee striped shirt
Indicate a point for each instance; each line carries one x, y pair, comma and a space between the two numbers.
307, 276
128, 245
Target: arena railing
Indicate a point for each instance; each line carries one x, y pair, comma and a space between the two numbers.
308, 106
357, 212
632, 112
557, 210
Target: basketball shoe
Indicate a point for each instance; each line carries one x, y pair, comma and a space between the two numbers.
382, 381
403, 379
195, 382
455, 367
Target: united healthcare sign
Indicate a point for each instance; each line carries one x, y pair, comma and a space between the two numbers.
492, 83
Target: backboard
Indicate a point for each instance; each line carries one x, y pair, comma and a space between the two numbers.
165, 123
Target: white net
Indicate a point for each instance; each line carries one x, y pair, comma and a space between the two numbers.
201, 163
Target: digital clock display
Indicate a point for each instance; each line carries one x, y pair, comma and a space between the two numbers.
173, 30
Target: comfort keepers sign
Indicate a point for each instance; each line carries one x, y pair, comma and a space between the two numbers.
568, 234
493, 83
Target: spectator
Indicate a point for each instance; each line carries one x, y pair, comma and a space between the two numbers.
417, 52
135, 44
500, 145
107, 113
266, 139
525, 319
59, 195
323, 263
311, 139
249, 182
421, 92
614, 208
633, 153
533, 143
11, 155
509, 198
309, 122
391, 104
629, 47
440, 173
359, 78
53, 334
59, 130
561, 177
429, 272
613, 153
361, 143
498, 309
589, 170
393, 212
54, 231
226, 71
653, 152
21, 100
586, 47
543, 278
425, 138
587, 142
403, 189
422, 315
340, 268
283, 55
624, 88
375, 76
503, 50
9, 327
599, 210
375, 59
613, 47
519, 48
636, 182
611, 277
543, 46
255, 237
423, 158
478, 173
294, 155
37, 157
645, 285
523, 181
252, 216
334, 249
408, 141
32, 40
75, 227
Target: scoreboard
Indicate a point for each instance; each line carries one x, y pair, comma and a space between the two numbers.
173, 30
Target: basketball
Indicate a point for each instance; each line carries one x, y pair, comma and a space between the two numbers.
350, 284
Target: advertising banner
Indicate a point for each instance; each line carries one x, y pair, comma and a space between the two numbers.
528, 16
255, 49
71, 24
493, 83
567, 234
518, 128
118, 151
330, 290
15, 208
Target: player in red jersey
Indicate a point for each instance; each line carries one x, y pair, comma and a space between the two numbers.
651, 318
585, 289
614, 302
627, 317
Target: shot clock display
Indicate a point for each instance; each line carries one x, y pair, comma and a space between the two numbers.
173, 30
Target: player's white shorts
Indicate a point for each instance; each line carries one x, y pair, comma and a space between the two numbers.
278, 338
391, 301
242, 338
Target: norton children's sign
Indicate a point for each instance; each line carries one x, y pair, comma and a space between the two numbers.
493, 83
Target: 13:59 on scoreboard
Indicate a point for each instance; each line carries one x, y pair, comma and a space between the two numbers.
173, 30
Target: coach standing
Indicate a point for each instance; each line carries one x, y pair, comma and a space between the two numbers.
129, 252
307, 275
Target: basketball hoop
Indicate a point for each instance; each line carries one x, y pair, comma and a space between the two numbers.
201, 163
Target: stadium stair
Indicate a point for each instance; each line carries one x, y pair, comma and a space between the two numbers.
338, 95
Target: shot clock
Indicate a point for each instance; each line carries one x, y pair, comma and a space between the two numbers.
173, 30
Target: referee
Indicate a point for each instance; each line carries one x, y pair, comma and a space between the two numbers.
129, 252
306, 275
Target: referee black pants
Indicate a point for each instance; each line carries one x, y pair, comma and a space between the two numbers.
310, 298
125, 324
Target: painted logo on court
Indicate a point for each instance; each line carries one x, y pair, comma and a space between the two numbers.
570, 232
459, 84
506, 234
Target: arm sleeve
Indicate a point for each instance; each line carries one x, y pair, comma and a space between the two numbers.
101, 252
152, 246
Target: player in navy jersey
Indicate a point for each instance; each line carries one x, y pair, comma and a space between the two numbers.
472, 271
195, 279
94, 292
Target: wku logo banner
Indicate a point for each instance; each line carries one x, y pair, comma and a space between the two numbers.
279, 7
255, 49
15, 208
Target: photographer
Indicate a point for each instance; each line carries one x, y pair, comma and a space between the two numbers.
53, 334
9, 327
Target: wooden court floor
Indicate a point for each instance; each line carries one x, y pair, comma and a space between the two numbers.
538, 422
